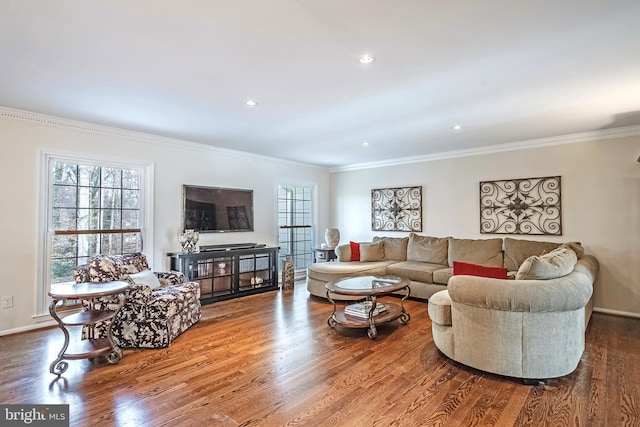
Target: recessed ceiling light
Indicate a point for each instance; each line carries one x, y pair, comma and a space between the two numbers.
366, 59
456, 127
251, 103
365, 144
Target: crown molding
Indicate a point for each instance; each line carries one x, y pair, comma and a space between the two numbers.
59, 122
597, 135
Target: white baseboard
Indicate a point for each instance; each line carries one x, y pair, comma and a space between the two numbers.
39, 325
617, 312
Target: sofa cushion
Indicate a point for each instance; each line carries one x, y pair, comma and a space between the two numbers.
371, 251
557, 263
442, 275
427, 249
486, 252
395, 248
328, 271
414, 270
355, 251
576, 247
467, 269
517, 250
343, 252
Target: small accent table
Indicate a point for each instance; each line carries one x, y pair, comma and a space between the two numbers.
324, 254
369, 288
60, 295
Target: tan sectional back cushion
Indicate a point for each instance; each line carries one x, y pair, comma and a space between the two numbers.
486, 252
372, 251
395, 248
428, 249
516, 251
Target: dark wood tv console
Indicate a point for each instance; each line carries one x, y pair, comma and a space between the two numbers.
229, 271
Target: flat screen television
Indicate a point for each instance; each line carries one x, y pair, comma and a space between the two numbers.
217, 210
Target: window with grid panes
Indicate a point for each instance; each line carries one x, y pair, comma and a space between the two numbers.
93, 209
295, 224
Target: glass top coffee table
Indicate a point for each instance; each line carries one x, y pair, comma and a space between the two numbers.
369, 312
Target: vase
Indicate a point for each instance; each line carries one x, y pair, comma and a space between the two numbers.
288, 273
332, 237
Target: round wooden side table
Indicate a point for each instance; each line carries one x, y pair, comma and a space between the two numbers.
87, 348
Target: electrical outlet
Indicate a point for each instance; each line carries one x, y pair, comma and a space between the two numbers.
7, 302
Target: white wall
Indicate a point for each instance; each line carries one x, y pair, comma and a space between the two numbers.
600, 203
22, 143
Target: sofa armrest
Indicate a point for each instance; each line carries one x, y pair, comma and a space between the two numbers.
170, 277
567, 293
136, 297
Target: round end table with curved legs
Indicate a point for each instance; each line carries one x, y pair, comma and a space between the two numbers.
87, 348
369, 288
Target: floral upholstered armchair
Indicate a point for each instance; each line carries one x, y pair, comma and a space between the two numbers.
158, 307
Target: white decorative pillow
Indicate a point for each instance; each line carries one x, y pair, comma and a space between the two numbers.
557, 263
146, 277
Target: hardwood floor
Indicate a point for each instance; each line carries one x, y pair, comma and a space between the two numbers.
271, 360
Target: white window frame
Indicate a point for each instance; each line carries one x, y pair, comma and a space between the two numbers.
299, 273
44, 242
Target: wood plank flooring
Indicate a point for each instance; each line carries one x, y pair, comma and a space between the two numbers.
271, 360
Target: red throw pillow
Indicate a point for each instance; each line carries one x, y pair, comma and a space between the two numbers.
478, 270
355, 251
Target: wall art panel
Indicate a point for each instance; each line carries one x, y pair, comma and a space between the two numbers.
521, 206
396, 209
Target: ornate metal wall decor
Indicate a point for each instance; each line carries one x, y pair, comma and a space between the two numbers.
396, 209
521, 206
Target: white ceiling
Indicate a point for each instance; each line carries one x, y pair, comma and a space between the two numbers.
506, 71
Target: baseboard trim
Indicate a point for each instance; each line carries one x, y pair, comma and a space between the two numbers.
617, 312
33, 327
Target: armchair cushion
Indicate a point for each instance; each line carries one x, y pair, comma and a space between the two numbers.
104, 268
146, 277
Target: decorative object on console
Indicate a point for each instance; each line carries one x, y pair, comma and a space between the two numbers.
332, 237
396, 209
188, 240
288, 272
521, 206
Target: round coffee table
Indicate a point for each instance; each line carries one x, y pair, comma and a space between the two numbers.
368, 313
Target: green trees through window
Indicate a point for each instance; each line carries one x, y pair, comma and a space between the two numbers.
92, 209
295, 224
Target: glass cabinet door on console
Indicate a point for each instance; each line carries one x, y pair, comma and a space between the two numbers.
214, 274
229, 273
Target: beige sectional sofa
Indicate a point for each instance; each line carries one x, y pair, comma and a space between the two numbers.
426, 261
532, 326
